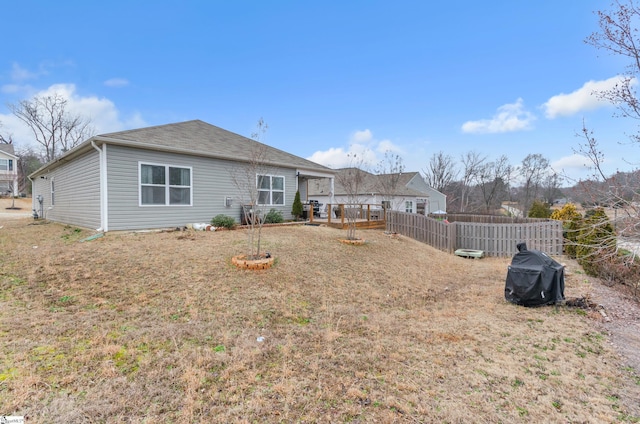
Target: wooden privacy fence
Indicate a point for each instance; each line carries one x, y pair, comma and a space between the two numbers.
493, 239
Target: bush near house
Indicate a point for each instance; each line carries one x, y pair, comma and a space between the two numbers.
273, 217
296, 208
566, 213
595, 241
223, 221
592, 240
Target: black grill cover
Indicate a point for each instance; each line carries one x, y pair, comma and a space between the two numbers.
534, 279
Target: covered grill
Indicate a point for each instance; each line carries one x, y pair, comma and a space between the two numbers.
534, 279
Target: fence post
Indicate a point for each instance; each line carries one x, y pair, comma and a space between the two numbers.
452, 235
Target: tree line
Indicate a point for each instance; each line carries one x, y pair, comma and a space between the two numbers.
475, 184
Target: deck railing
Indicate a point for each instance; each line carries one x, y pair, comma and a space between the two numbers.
358, 211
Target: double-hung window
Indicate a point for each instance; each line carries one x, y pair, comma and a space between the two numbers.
6, 164
165, 185
408, 206
270, 190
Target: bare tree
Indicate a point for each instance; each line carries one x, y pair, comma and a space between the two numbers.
618, 35
552, 187
389, 173
533, 171
472, 166
54, 128
492, 182
440, 172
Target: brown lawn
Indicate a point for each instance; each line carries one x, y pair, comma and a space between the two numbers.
162, 328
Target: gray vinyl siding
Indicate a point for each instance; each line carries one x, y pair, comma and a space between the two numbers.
77, 192
211, 179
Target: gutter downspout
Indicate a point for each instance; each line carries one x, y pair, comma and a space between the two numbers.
104, 215
33, 205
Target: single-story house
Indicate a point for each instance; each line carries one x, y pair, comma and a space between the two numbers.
165, 176
404, 191
8, 170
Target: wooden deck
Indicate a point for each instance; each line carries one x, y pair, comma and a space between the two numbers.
366, 217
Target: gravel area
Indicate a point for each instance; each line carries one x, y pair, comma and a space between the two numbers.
623, 324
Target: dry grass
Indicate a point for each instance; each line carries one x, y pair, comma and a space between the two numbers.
160, 327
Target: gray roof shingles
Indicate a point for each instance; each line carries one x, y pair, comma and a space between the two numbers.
199, 137
371, 184
7, 148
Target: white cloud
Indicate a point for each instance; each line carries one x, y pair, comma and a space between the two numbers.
103, 113
335, 157
364, 136
509, 118
570, 162
388, 146
584, 98
15, 88
18, 73
105, 116
116, 82
363, 146
573, 168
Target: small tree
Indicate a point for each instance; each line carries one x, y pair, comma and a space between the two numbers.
296, 208
352, 180
248, 180
539, 209
389, 172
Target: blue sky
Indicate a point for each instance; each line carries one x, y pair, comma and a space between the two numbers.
412, 77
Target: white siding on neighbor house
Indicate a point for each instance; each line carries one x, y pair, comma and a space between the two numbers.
211, 181
77, 192
9, 178
435, 199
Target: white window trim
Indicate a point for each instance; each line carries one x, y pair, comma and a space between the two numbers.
166, 185
271, 190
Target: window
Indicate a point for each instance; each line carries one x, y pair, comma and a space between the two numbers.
270, 190
408, 206
53, 193
162, 185
6, 164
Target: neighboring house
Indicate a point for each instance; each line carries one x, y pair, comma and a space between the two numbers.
162, 177
405, 192
8, 170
